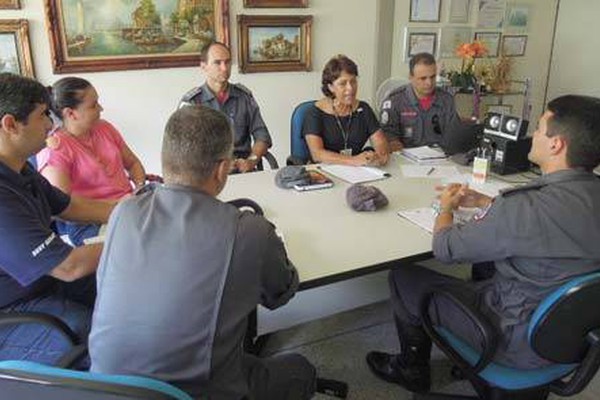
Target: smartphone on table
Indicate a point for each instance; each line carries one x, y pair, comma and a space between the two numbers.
317, 181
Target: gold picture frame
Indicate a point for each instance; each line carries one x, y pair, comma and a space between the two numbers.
10, 4
15, 50
86, 38
275, 3
274, 43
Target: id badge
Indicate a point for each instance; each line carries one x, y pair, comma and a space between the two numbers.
346, 152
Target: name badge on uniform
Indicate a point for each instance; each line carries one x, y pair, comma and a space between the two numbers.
346, 152
408, 113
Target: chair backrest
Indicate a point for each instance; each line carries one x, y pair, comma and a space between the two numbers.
298, 148
386, 87
560, 324
29, 380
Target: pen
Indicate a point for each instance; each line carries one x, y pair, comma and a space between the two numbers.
430, 171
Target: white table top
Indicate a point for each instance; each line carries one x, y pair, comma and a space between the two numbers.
328, 241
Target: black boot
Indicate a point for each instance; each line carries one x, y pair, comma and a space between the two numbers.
409, 369
393, 369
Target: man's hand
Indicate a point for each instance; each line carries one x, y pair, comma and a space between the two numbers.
245, 165
463, 196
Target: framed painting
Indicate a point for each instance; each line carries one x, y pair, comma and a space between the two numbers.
425, 10
10, 4
107, 35
15, 51
275, 3
273, 43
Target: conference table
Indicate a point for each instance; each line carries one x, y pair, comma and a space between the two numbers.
325, 239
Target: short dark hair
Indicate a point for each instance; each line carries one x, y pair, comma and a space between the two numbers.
577, 119
67, 93
333, 69
206, 48
196, 139
19, 96
420, 58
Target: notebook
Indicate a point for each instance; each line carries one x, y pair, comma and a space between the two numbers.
353, 175
424, 154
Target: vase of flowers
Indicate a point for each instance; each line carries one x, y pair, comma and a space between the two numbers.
465, 79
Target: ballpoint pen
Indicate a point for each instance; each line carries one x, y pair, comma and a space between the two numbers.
430, 171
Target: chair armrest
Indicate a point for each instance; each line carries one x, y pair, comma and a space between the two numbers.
30, 317
480, 321
247, 203
271, 160
585, 372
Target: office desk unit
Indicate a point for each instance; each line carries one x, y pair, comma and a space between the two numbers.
328, 241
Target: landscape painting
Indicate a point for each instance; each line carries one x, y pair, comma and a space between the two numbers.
129, 34
15, 53
271, 43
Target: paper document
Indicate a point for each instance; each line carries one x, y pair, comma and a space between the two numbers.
491, 187
425, 216
425, 171
424, 154
354, 174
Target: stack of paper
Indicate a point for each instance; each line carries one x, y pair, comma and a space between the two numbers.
354, 174
424, 154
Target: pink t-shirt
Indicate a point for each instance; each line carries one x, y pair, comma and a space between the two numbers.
93, 163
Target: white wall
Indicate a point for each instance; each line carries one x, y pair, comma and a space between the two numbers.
139, 102
575, 58
534, 64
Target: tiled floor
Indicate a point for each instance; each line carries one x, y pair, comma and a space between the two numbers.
337, 347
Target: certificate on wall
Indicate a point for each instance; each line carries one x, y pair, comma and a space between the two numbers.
459, 11
425, 10
491, 14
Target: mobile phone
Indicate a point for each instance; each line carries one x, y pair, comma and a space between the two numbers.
317, 181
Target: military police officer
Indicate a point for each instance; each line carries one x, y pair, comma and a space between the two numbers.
539, 236
236, 102
418, 113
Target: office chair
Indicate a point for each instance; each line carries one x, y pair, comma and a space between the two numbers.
29, 380
55, 323
564, 329
299, 153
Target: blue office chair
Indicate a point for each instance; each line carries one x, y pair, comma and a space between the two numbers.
565, 329
29, 380
299, 153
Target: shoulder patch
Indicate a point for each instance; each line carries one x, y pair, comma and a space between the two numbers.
52, 142
242, 88
189, 96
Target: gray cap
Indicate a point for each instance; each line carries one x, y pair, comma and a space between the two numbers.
291, 175
365, 198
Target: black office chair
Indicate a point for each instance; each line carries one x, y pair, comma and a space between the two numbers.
299, 153
565, 329
29, 380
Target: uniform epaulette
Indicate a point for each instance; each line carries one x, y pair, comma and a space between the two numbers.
243, 89
397, 91
191, 94
524, 188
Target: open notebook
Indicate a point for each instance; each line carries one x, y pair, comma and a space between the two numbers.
354, 174
425, 216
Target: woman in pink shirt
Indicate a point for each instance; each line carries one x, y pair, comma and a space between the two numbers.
86, 156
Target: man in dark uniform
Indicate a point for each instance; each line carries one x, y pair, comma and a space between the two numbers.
236, 102
539, 236
211, 264
38, 271
418, 113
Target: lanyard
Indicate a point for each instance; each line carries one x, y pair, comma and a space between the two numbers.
345, 132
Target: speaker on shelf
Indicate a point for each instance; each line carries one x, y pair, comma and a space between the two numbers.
506, 136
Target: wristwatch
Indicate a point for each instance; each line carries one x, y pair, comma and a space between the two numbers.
252, 157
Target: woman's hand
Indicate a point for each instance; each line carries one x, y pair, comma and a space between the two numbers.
364, 158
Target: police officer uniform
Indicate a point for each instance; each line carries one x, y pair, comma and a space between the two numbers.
539, 236
241, 110
403, 118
